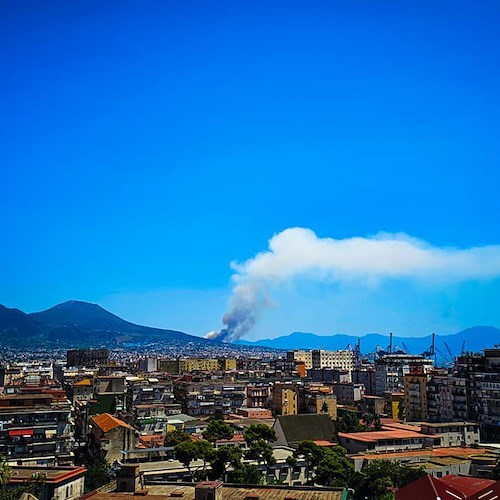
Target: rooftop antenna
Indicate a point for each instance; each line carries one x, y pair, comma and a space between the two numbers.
390, 343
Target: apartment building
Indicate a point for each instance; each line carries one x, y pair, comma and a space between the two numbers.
446, 399
285, 399
348, 394
391, 369
453, 433
329, 375
188, 365
301, 355
36, 429
320, 358
367, 377
148, 364
259, 395
205, 399
480, 374
415, 396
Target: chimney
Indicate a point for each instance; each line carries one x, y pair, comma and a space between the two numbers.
127, 479
208, 490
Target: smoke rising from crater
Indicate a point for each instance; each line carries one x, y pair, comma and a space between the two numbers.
299, 252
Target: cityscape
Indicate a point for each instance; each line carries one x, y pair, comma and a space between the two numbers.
249, 250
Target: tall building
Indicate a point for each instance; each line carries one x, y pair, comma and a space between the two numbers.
415, 396
482, 387
391, 369
446, 399
285, 399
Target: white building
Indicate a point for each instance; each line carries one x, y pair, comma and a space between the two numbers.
453, 433
391, 369
320, 358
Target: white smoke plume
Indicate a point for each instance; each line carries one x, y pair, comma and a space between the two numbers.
298, 252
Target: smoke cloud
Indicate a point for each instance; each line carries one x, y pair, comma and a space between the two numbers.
298, 252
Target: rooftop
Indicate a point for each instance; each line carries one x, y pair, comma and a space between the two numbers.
450, 488
186, 491
370, 437
20, 474
449, 424
309, 427
107, 422
452, 451
85, 382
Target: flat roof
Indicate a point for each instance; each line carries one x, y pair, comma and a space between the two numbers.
448, 424
20, 474
370, 437
235, 492
454, 451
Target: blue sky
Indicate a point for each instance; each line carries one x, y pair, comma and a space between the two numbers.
146, 145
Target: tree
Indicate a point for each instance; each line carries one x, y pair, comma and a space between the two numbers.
186, 452
216, 430
224, 457
258, 437
371, 421
334, 468
367, 419
311, 453
246, 474
33, 486
204, 451
380, 477
348, 422
173, 438
5, 471
98, 474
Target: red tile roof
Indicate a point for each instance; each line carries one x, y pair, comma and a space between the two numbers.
449, 488
107, 422
467, 485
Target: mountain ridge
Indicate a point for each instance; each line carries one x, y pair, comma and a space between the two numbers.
476, 338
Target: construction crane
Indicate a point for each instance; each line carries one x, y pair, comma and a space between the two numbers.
431, 352
448, 362
405, 347
449, 350
357, 354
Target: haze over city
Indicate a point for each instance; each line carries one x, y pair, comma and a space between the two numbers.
326, 168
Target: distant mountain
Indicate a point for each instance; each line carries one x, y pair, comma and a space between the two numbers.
475, 338
78, 323
15, 322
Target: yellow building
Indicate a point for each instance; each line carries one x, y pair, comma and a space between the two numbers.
285, 399
326, 403
415, 399
186, 365
198, 365
227, 364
